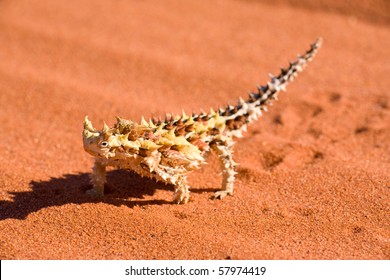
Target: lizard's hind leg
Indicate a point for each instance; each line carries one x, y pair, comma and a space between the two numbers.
224, 150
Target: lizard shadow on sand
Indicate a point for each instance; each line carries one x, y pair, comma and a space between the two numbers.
71, 188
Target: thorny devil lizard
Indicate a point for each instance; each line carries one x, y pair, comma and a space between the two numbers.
167, 150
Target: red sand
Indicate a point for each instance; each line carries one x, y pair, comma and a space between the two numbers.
313, 179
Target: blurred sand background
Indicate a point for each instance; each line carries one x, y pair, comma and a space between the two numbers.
313, 178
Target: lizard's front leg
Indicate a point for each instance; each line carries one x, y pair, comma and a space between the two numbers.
182, 193
169, 175
98, 179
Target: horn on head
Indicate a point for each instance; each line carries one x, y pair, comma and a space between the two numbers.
105, 128
88, 125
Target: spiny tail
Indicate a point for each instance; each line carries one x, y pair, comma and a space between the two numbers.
248, 111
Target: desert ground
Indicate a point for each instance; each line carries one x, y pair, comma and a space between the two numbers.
313, 178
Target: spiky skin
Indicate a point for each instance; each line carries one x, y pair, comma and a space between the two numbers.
167, 150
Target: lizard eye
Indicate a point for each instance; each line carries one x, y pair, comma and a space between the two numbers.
104, 144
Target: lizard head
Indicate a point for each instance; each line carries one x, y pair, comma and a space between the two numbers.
99, 143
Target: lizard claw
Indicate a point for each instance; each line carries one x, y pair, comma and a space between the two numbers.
181, 197
221, 194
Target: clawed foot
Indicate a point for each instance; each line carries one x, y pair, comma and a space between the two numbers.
95, 192
221, 194
181, 197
